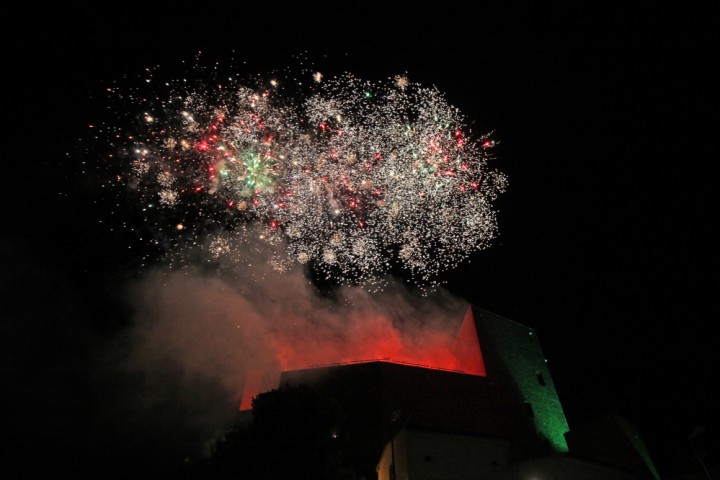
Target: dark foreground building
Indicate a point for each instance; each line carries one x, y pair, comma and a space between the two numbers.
503, 421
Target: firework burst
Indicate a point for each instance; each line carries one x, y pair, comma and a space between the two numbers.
351, 177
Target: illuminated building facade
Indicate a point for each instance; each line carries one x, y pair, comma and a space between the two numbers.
503, 420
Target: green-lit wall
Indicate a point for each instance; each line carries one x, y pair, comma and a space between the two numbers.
513, 350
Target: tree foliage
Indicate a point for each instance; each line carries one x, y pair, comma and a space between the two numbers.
293, 434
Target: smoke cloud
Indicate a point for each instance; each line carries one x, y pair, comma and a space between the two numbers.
200, 340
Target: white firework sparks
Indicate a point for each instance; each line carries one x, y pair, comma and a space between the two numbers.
357, 177
168, 197
402, 82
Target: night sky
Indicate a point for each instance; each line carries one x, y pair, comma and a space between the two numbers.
607, 243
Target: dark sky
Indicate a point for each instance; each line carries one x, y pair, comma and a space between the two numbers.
607, 242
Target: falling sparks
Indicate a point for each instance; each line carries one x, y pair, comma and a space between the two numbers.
352, 177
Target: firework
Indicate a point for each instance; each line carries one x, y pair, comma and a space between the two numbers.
352, 177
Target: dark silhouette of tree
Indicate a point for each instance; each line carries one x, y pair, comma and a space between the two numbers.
293, 435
